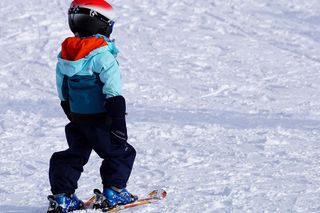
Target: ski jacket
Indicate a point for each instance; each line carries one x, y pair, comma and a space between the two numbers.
87, 74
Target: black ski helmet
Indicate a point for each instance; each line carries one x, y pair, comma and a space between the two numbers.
89, 17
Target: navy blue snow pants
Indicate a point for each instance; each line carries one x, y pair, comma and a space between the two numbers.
67, 166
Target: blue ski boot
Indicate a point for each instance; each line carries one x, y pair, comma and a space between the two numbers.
63, 203
115, 196
112, 197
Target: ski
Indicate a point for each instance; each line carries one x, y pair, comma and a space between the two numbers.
152, 197
89, 203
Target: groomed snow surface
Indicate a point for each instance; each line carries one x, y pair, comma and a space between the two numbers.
223, 103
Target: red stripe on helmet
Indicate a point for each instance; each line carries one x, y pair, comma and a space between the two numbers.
95, 3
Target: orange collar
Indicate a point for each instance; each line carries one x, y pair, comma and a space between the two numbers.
75, 48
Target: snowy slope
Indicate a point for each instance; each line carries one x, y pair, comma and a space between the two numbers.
223, 101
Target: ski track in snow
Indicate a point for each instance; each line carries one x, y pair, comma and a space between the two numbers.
223, 102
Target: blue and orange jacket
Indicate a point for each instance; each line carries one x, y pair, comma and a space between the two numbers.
87, 73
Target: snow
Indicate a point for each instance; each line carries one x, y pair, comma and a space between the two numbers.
223, 103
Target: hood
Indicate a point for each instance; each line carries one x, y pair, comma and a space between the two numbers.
76, 53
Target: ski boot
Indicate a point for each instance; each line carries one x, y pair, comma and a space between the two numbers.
63, 203
112, 197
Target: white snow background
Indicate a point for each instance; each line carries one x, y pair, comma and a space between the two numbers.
223, 102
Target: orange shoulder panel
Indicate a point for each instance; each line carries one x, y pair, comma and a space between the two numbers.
75, 48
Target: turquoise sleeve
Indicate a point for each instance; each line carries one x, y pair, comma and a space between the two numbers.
110, 75
59, 82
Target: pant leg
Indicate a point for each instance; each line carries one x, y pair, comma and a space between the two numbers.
118, 158
67, 166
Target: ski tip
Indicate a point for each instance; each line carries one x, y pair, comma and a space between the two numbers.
163, 194
158, 194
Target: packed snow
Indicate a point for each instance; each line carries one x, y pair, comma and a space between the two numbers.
223, 102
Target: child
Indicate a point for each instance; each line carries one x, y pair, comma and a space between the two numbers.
89, 87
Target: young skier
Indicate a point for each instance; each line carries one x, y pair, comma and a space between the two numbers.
89, 87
